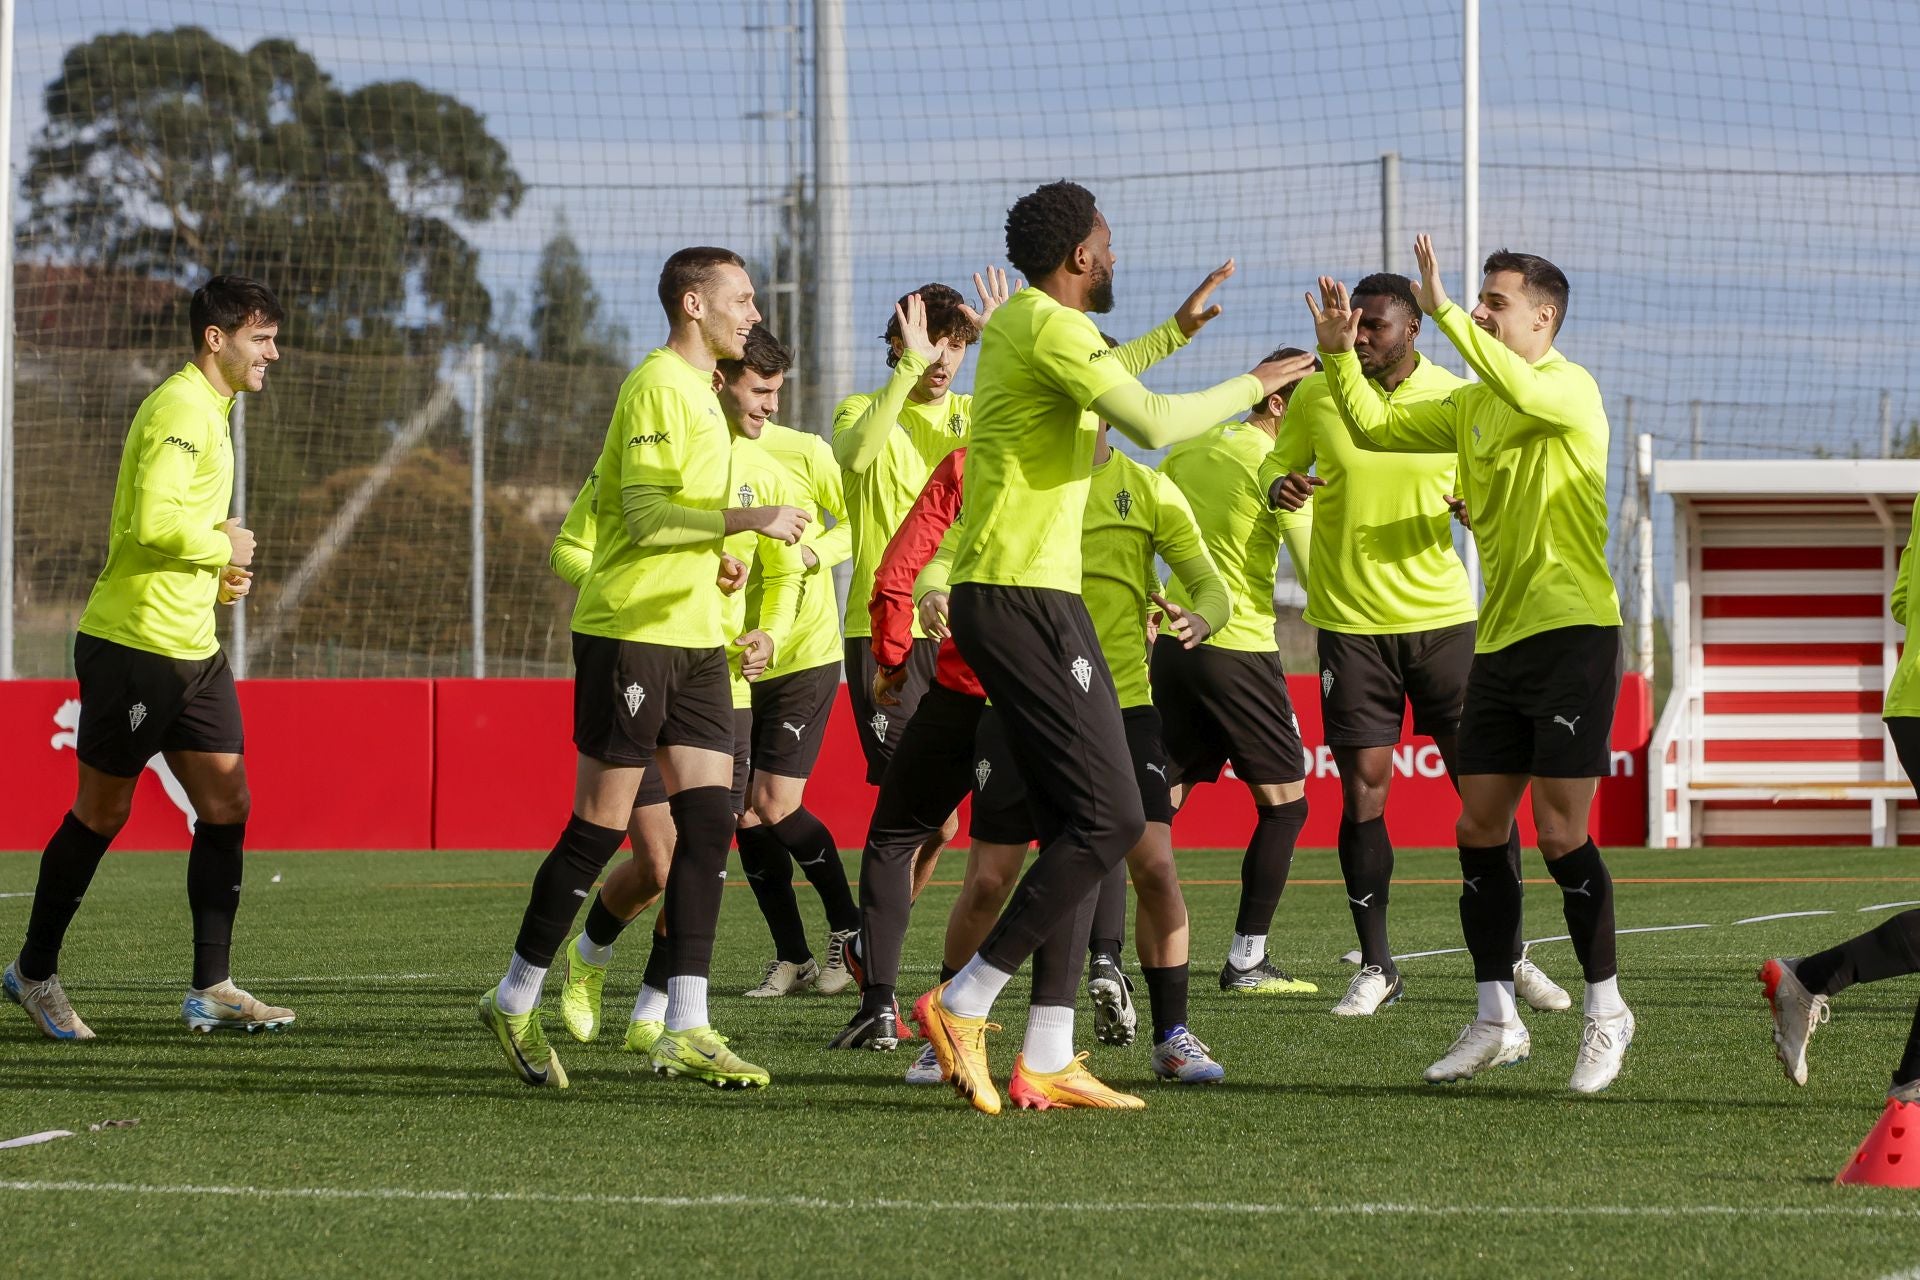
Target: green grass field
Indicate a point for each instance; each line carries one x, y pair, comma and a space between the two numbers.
383, 1134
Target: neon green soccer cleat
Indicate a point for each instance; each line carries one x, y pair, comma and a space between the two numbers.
524, 1043
642, 1035
580, 985
698, 1054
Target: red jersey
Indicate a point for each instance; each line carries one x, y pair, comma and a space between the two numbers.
907, 553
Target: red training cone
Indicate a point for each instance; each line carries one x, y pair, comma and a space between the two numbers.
1890, 1155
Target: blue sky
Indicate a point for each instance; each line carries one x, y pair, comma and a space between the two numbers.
1733, 186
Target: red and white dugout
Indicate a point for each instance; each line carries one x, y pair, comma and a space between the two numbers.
1782, 644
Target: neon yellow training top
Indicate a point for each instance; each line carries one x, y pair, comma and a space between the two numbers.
1532, 445
816, 486
165, 552
775, 570
1383, 558
1903, 691
667, 435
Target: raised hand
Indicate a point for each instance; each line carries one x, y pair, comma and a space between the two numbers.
992, 290
912, 315
1291, 491
756, 651
1190, 629
1194, 312
1277, 375
1429, 293
1336, 321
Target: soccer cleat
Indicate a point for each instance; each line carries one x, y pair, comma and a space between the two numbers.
642, 1035
1073, 1087
960, 1044
1111, 991
1263, 979
1480, 1046
580, 984
225, 1007
1182, 1059
524, 1043
1370, 991
877, 1031
1796, 1012
783, 978
698, 1054
926, 1068
46, 1003
1603, 1044
1537, 989
838, 974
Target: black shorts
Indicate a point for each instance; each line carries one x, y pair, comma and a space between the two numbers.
630, 697
653, 788
1905, 732
135, 705
1038, 657
1218, 705
790, 719
880, 726
1000, 813
1366, 683
1544, 705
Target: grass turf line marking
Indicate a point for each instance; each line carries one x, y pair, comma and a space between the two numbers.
35, 1139
1782, 915
1884, 906
1363, 1209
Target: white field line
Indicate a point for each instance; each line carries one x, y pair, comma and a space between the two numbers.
1363, 1209
1888, 906
1782, 915
35, 1139
1558, 937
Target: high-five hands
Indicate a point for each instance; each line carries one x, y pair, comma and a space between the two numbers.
1194, 312
911, 312
992, 291
1429, 293
1336, 321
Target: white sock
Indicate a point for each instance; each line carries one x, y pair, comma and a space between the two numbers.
1049, 1043
519, 991
1496, 1002
1246, 951
650, 1005
973, 990
686, 1003
1603, 999
592, 952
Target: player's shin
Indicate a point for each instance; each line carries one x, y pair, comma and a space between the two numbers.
1586, 893
1489, 909
214, 862
1366, 864
704, 818
66, 869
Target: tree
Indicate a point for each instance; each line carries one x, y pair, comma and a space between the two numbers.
174, 156
566, 321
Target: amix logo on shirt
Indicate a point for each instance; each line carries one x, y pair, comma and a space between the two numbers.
1101, 354
182, 444
652, 437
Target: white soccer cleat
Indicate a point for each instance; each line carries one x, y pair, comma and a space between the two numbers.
1537, 989
225, 1007
1603, 1045
836, 976
1370, 991
783, 978
46, 1003
1796, 1012
926, 1068
1481, 1046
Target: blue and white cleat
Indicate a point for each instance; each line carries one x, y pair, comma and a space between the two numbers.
225, 1007
46, 1002
1182, 1059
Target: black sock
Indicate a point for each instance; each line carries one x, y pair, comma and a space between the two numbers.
704, 818
1366, 864
566, 876
66, 869
1586, 894
603, 928
770, 875
1166, 998
1489, 904
213, 896
1519, 878
1110, 915
947, 971
1888, 950
813, 848
659, 962
1263, 872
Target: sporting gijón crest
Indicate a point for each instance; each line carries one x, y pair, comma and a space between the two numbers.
635, 695
1123, 503
745, 494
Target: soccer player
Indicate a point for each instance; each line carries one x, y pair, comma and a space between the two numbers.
153, 677
887, 442
1133, 515
1797, 990
1227, 699
651, 682
1531, 437
1394, 610
1017, 615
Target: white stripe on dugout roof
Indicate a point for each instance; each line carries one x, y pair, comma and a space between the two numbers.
1790, 582
1791, 630
1849, 679
1790, 726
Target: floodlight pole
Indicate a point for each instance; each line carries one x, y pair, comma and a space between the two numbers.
833, 230
1470, 194
477, 514
8, 467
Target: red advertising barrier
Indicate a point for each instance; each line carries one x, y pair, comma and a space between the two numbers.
487, 764
333, 764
